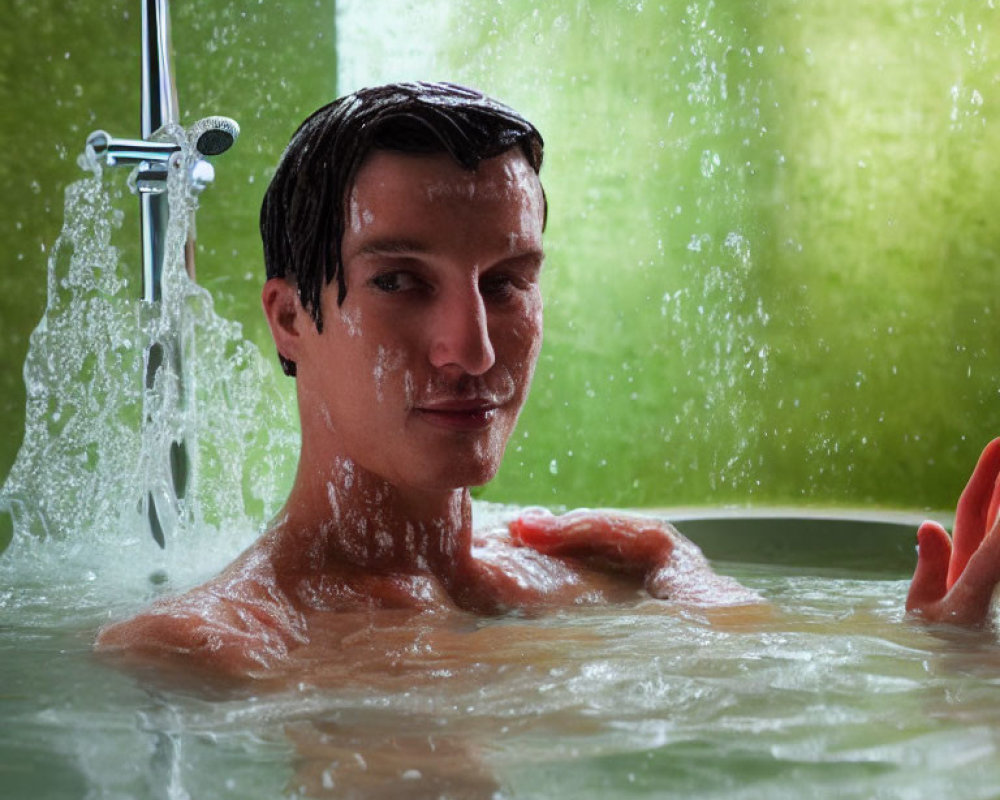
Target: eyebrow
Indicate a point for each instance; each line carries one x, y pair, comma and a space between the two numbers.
392, 246
396, 246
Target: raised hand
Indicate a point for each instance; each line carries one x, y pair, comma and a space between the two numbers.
955, 580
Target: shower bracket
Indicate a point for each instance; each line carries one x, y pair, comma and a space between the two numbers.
153, 160
164, 148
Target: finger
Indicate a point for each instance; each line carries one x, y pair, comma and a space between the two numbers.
627, 540
976, 506
994, 509
535, 527
929, 579
566, 534
969, 600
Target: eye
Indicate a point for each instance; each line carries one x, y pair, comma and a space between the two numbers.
497, 285
395, 281
503, 283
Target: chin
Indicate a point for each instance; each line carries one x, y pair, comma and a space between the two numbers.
458, 474
447, 464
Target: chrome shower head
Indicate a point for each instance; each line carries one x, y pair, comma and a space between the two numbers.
213, 135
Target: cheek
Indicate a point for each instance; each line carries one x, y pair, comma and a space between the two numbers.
376, 357
389, 372
522, 338
531, 329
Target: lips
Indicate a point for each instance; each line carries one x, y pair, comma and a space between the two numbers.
459, 415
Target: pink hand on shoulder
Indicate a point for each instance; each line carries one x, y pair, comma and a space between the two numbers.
669, 564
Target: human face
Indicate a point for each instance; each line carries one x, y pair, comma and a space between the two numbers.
419, 376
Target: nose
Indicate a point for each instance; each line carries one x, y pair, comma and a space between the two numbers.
460, 336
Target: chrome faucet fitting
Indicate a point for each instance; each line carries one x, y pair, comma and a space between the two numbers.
154, 157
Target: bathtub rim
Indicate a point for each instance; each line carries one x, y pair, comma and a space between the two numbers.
846, 541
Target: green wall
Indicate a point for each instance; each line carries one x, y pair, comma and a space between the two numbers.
772, 272
773, 252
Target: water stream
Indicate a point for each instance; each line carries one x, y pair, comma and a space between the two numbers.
97, 441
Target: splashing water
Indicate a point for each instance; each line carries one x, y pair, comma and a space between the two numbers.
97, 442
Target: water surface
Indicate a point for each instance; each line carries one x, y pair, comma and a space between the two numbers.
835, 694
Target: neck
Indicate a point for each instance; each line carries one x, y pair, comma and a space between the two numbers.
351, 517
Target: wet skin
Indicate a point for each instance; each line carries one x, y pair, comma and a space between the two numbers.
408, 396
956, 577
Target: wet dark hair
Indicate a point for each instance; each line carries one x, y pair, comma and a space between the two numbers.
302, 216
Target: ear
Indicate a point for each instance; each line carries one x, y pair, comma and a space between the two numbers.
285, 316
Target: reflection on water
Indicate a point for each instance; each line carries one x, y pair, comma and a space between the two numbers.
835, 695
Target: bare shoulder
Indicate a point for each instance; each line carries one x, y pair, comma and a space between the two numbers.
237, 623
668, 565
514, 575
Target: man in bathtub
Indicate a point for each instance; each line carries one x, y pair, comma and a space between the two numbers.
403, 243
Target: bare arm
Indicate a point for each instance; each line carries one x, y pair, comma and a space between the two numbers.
232, 628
